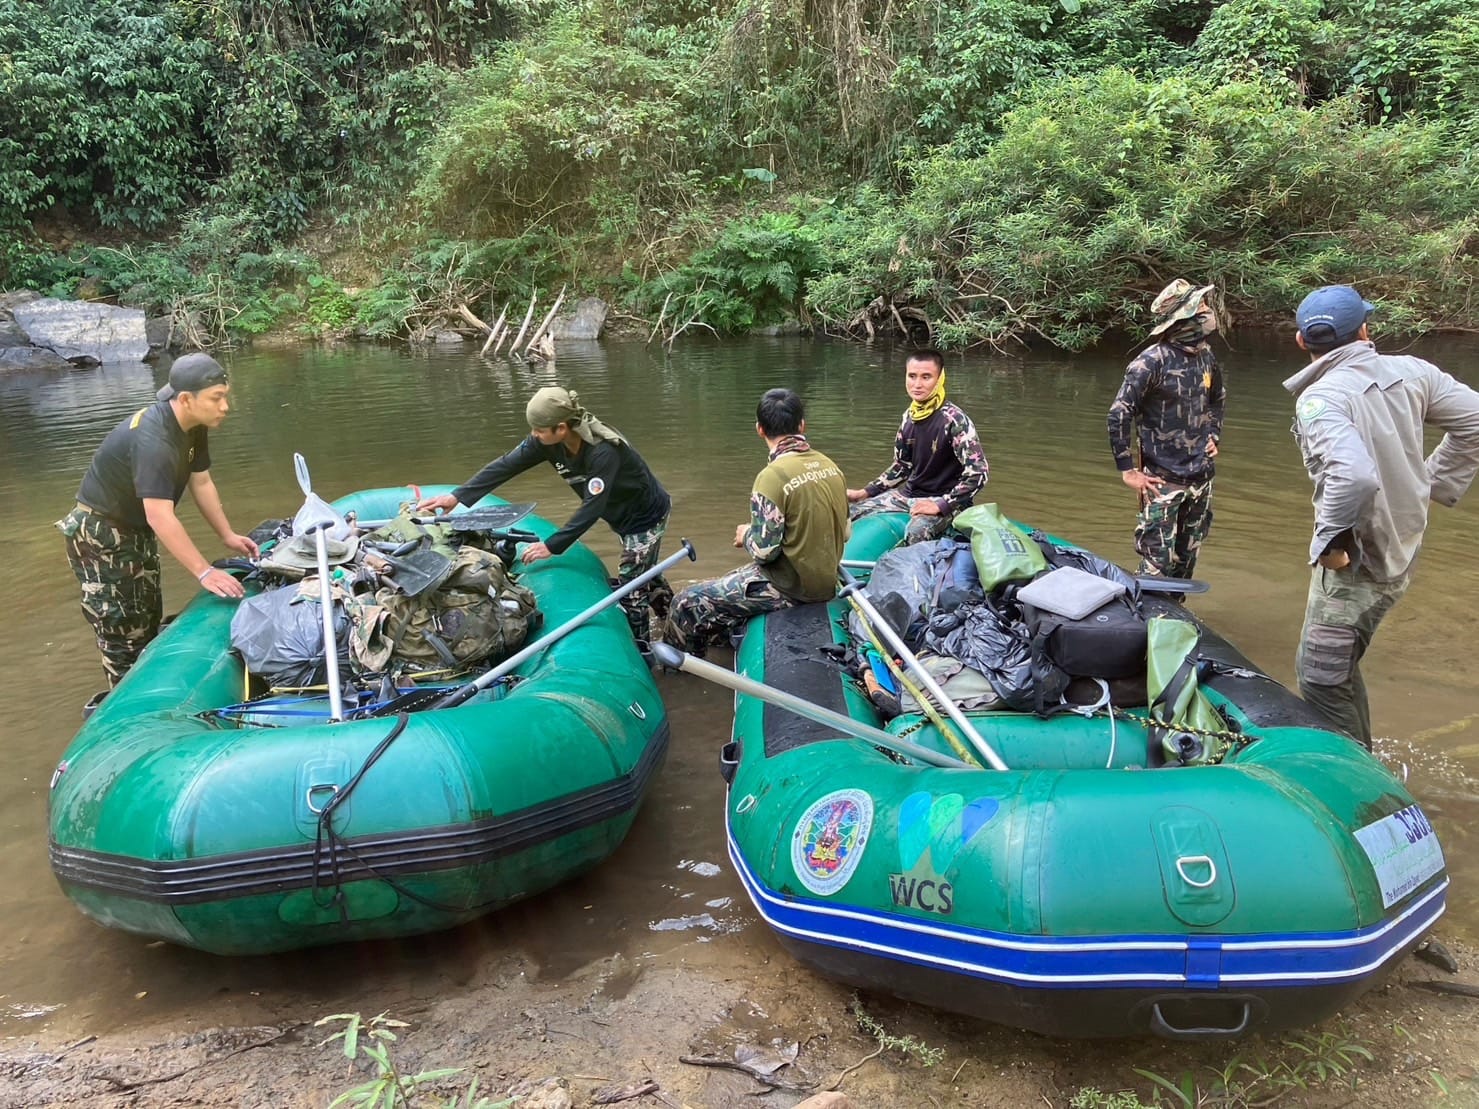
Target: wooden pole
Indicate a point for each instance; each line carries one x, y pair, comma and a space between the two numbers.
497, 328
548, 316
527, 317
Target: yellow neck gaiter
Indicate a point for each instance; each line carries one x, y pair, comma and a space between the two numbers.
924, 409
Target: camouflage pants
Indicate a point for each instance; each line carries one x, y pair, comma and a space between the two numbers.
118, 569
646, 607
1340, 617
1170, 528
920, 529
708, 611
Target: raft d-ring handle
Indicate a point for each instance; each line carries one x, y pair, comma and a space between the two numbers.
637, 710
1205, 860
749, 802
311, 790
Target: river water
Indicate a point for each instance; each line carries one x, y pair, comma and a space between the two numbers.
371, 416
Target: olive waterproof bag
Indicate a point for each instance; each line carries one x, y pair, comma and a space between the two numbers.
1002, 551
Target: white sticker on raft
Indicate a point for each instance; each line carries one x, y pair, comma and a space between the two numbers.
1403, 850
829, 839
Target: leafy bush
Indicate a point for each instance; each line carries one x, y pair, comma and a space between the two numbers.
752, 275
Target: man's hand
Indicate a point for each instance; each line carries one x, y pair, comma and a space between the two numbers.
1335, 560
1211, 448
241, 544
740, 533
534, 552
856, 495
924, 506
446, 502
1143, 483
223, 584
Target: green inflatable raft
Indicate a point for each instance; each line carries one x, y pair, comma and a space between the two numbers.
172, 821
1083, 891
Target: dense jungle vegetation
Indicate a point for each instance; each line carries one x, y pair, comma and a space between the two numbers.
1003, 169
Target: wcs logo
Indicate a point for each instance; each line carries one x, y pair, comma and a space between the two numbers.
922, 893
932, 830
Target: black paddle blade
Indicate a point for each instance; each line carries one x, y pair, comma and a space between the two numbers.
1155, 583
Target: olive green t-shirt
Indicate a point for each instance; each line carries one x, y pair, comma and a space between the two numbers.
808, 489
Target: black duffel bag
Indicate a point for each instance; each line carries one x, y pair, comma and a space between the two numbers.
1109, 642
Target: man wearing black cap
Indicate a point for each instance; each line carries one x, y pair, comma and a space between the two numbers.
1359, 420
126, 507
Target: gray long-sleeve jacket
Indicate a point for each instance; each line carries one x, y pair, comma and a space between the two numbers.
1359, 423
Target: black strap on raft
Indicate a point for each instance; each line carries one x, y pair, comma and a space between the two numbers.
326, 833
327, 842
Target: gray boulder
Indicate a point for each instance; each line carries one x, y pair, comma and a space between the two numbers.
585, 322
84, 332
32, 358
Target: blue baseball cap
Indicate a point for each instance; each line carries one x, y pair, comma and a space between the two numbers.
1332, 314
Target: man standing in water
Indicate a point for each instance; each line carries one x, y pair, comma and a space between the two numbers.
798, 523
1359, 421
126, 507
1173, 393
610, 478
938, 465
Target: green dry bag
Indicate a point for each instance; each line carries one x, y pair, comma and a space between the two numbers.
1001, 550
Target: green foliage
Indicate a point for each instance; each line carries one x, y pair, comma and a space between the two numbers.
1101, 189
102, 107
1305, 1062
388, 1086
907, 1045
1271, 39
752, 275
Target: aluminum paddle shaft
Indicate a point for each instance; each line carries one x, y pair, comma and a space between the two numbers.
325, 596
851, 588
675, 659
467, 692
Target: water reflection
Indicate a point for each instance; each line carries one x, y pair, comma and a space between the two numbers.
366, 416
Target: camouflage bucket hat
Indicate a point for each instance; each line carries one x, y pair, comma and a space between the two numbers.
1180, 300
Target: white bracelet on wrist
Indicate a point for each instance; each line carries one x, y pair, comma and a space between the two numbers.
200, 577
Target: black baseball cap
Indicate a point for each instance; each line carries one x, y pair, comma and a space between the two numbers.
191, 374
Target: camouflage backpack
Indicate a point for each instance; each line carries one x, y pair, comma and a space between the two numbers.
477, 614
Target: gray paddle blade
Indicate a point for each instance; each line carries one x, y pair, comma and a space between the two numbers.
492, 517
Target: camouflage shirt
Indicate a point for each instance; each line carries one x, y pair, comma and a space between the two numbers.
921, 465
1175, 394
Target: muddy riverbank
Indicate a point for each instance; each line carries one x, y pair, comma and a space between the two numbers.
618, 1024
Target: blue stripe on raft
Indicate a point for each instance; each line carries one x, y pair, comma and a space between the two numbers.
1201, 962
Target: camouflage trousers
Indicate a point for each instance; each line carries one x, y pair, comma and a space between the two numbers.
1340, 617
1170, 528
118, 569
920, 529
709, 611
647, 606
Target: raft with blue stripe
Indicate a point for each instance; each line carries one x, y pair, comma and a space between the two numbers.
1078, 893
273, 829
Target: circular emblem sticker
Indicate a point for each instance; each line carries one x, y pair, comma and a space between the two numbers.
596, 487
829, 839
1310, 408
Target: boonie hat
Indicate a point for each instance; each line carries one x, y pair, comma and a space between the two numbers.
191, 374
1332, 314
301, 553
1180, 300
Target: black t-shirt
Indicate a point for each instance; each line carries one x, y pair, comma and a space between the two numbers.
146, 455
611, 479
